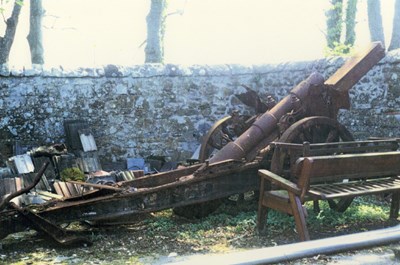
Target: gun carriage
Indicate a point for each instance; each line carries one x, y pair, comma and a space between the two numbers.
307, 114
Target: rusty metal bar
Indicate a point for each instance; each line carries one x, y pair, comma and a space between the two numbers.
209, 184
26, 189
59, 235
266, 124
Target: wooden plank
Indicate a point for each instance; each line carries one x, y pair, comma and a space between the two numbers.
72, 189
58, 189
355, 189
349, 166
278, 180
18, 183
97, 186
356, 67
49, 195
64, 189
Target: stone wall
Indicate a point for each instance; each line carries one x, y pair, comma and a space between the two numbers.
165, 109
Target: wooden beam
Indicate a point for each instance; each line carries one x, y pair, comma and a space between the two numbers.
97, 186
356, 67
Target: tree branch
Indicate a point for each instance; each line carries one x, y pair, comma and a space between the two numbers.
8, 39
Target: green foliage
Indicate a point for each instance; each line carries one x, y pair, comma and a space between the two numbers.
351, 11
236, 224
334, 22
4, 2
72, 173
339, 49
361, 211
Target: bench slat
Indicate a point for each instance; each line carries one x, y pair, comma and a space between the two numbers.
338, 190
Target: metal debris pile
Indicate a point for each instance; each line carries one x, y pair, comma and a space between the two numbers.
75, 161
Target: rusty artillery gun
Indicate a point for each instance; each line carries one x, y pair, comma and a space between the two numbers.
308, 113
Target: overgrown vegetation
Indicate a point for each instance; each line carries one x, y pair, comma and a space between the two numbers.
231, 227
72, 173
339, 49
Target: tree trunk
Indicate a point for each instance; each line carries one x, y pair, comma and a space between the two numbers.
351, 11
375, 21
7, 40
34, 37
395, 41
154, 50
334, 23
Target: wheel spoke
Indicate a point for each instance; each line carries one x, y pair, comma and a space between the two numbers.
332, 136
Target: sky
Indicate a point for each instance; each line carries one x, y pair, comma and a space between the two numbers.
92, 33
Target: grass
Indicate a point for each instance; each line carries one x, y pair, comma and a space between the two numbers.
234, 226
231, 227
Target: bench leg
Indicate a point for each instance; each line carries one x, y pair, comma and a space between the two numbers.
316, 207
299, 217
261, 218
394, 207
262, 210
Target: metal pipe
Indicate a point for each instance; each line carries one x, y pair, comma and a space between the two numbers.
303, 249
266, 124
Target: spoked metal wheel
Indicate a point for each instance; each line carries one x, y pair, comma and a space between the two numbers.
215, 139
313, 130
220, 134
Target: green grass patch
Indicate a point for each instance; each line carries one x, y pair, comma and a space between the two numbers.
231, 227
237, 223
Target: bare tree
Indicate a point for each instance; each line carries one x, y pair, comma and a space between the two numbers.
334, 23
350, 21
375, 21
154, 51
34, 37
11, 26
395, 41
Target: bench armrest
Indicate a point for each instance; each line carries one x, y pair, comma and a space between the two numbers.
279, 181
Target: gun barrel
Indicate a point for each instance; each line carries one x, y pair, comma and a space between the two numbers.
264, 126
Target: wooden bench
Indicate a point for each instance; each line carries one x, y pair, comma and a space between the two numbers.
330, 177
292, 151
285, 156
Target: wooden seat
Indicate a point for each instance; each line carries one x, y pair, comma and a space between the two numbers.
330, 177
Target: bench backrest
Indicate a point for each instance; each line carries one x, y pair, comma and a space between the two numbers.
338, 167
306, 149
316, 149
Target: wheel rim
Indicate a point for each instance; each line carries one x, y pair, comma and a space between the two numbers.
313, 130
316, 130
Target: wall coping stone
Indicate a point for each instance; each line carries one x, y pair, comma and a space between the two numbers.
154, 70
175, 70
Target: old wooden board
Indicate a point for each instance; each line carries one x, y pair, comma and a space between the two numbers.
356, 67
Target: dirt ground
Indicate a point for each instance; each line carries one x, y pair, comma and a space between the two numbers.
164, 237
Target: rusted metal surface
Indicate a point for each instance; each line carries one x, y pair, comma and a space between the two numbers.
216, 181
301, 102
59, 235
223, 132
267, 124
